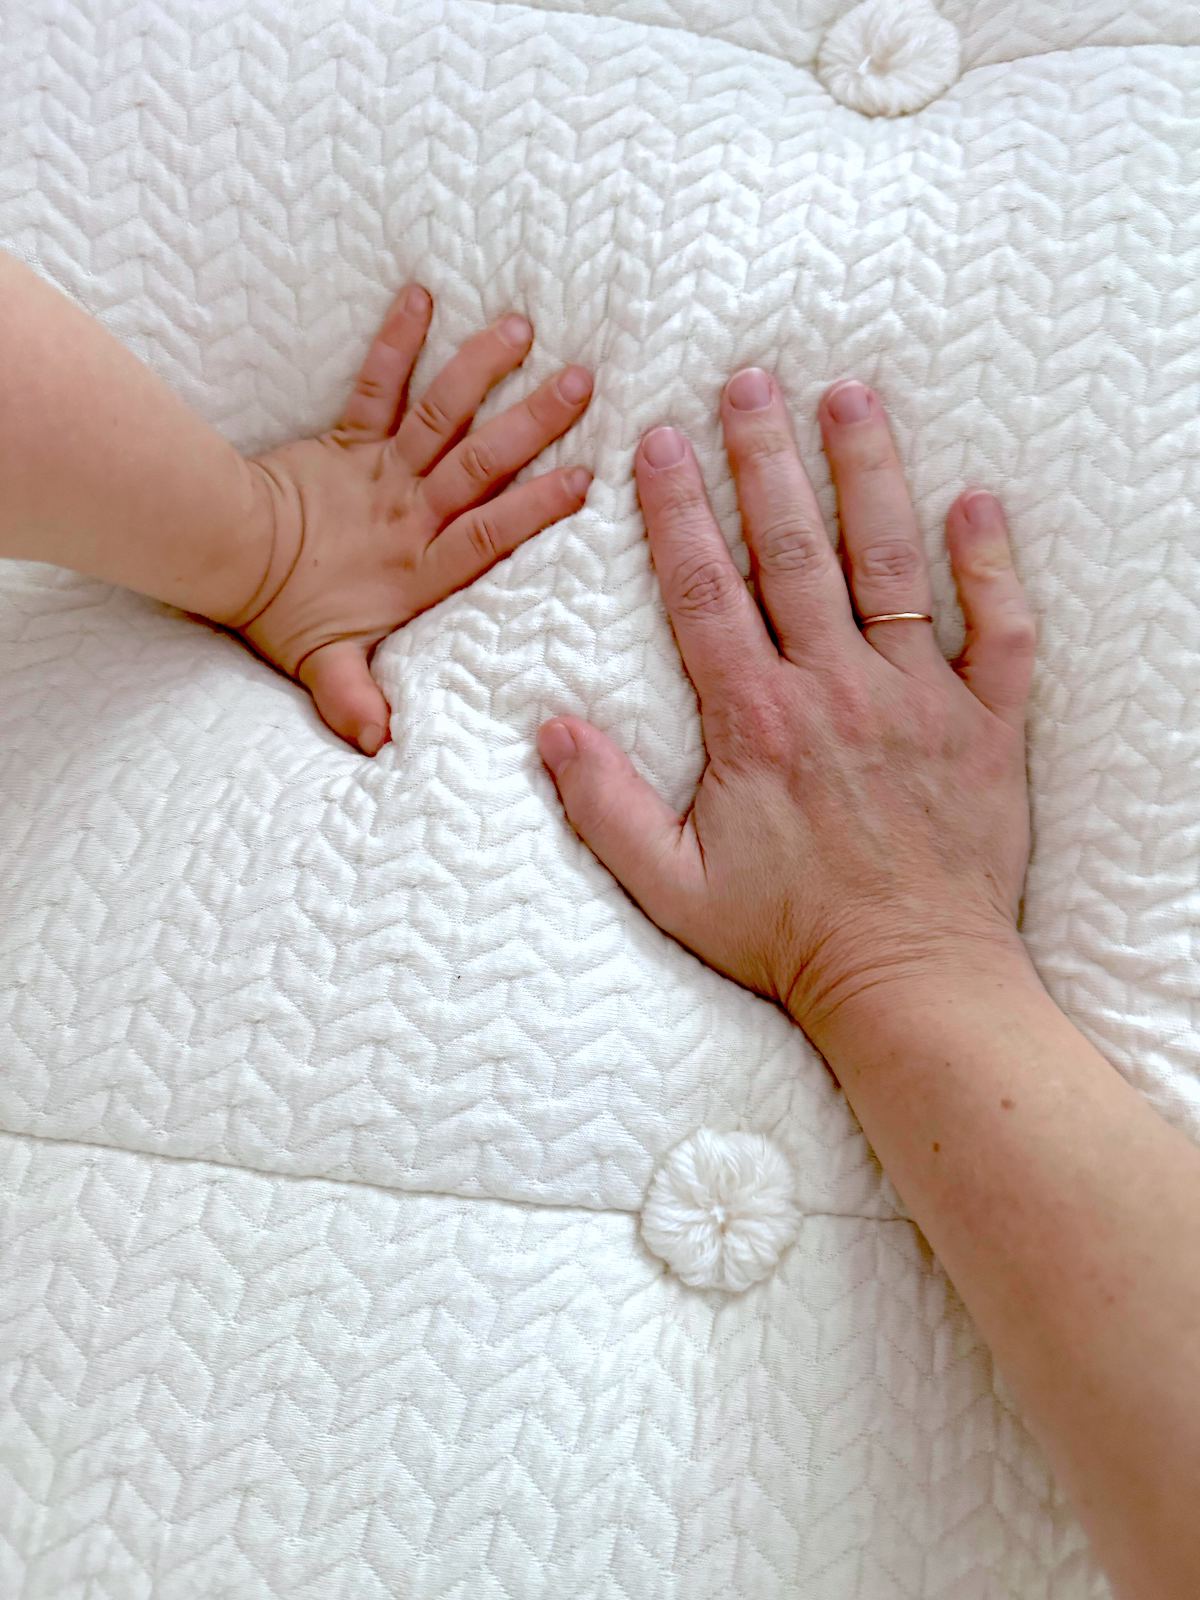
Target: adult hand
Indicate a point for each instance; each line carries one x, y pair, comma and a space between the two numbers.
399, 505
863, 812
856, 850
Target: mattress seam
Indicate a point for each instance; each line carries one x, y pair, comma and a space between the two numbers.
809, 67
382, 1188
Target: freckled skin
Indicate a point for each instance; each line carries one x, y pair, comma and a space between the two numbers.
856, 850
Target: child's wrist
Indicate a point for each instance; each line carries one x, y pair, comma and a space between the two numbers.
262, 554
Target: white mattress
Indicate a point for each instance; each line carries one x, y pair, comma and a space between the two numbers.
331, 1088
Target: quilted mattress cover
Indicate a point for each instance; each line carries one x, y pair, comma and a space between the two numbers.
330, 1088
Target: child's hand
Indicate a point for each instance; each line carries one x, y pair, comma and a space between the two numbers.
399, 505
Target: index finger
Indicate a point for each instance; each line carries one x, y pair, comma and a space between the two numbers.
720, 631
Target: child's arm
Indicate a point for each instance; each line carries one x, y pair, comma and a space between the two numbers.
314, 552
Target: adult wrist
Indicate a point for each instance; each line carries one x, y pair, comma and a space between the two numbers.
874, 1012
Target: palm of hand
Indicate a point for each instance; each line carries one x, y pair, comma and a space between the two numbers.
398, 506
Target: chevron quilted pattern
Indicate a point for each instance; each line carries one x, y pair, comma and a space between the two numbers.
330, 1089
251, 1387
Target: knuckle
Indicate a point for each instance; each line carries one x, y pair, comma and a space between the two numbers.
483, 538
369, 388
851, 709
1017, 634
431, 414
786, 545
764, 731
995, 761
679, 500
542, 409
867, 452
894, 561
478, 461
991, 560
704, 586
765, 446
352, 430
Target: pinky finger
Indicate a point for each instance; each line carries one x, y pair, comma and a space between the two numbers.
997, 657
472, 543
382, 382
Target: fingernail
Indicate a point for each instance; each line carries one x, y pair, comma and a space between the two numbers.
516, 331
416, 301
749, 390
575, 384
370, 739
663, 447
849, 402
980, 508
579, 481
556, 745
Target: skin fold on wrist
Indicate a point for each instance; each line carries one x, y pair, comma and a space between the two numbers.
272, 537
866, 1010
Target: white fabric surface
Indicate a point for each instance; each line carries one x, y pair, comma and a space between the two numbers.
331, 1089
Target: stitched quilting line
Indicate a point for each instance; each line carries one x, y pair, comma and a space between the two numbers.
809, 66
393, 1191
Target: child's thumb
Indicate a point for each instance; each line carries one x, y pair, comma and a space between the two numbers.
346, 695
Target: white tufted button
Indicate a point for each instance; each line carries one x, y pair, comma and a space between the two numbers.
721, 1209
889, 57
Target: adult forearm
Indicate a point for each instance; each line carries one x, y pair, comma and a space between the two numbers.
104, 470
1064, 1209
